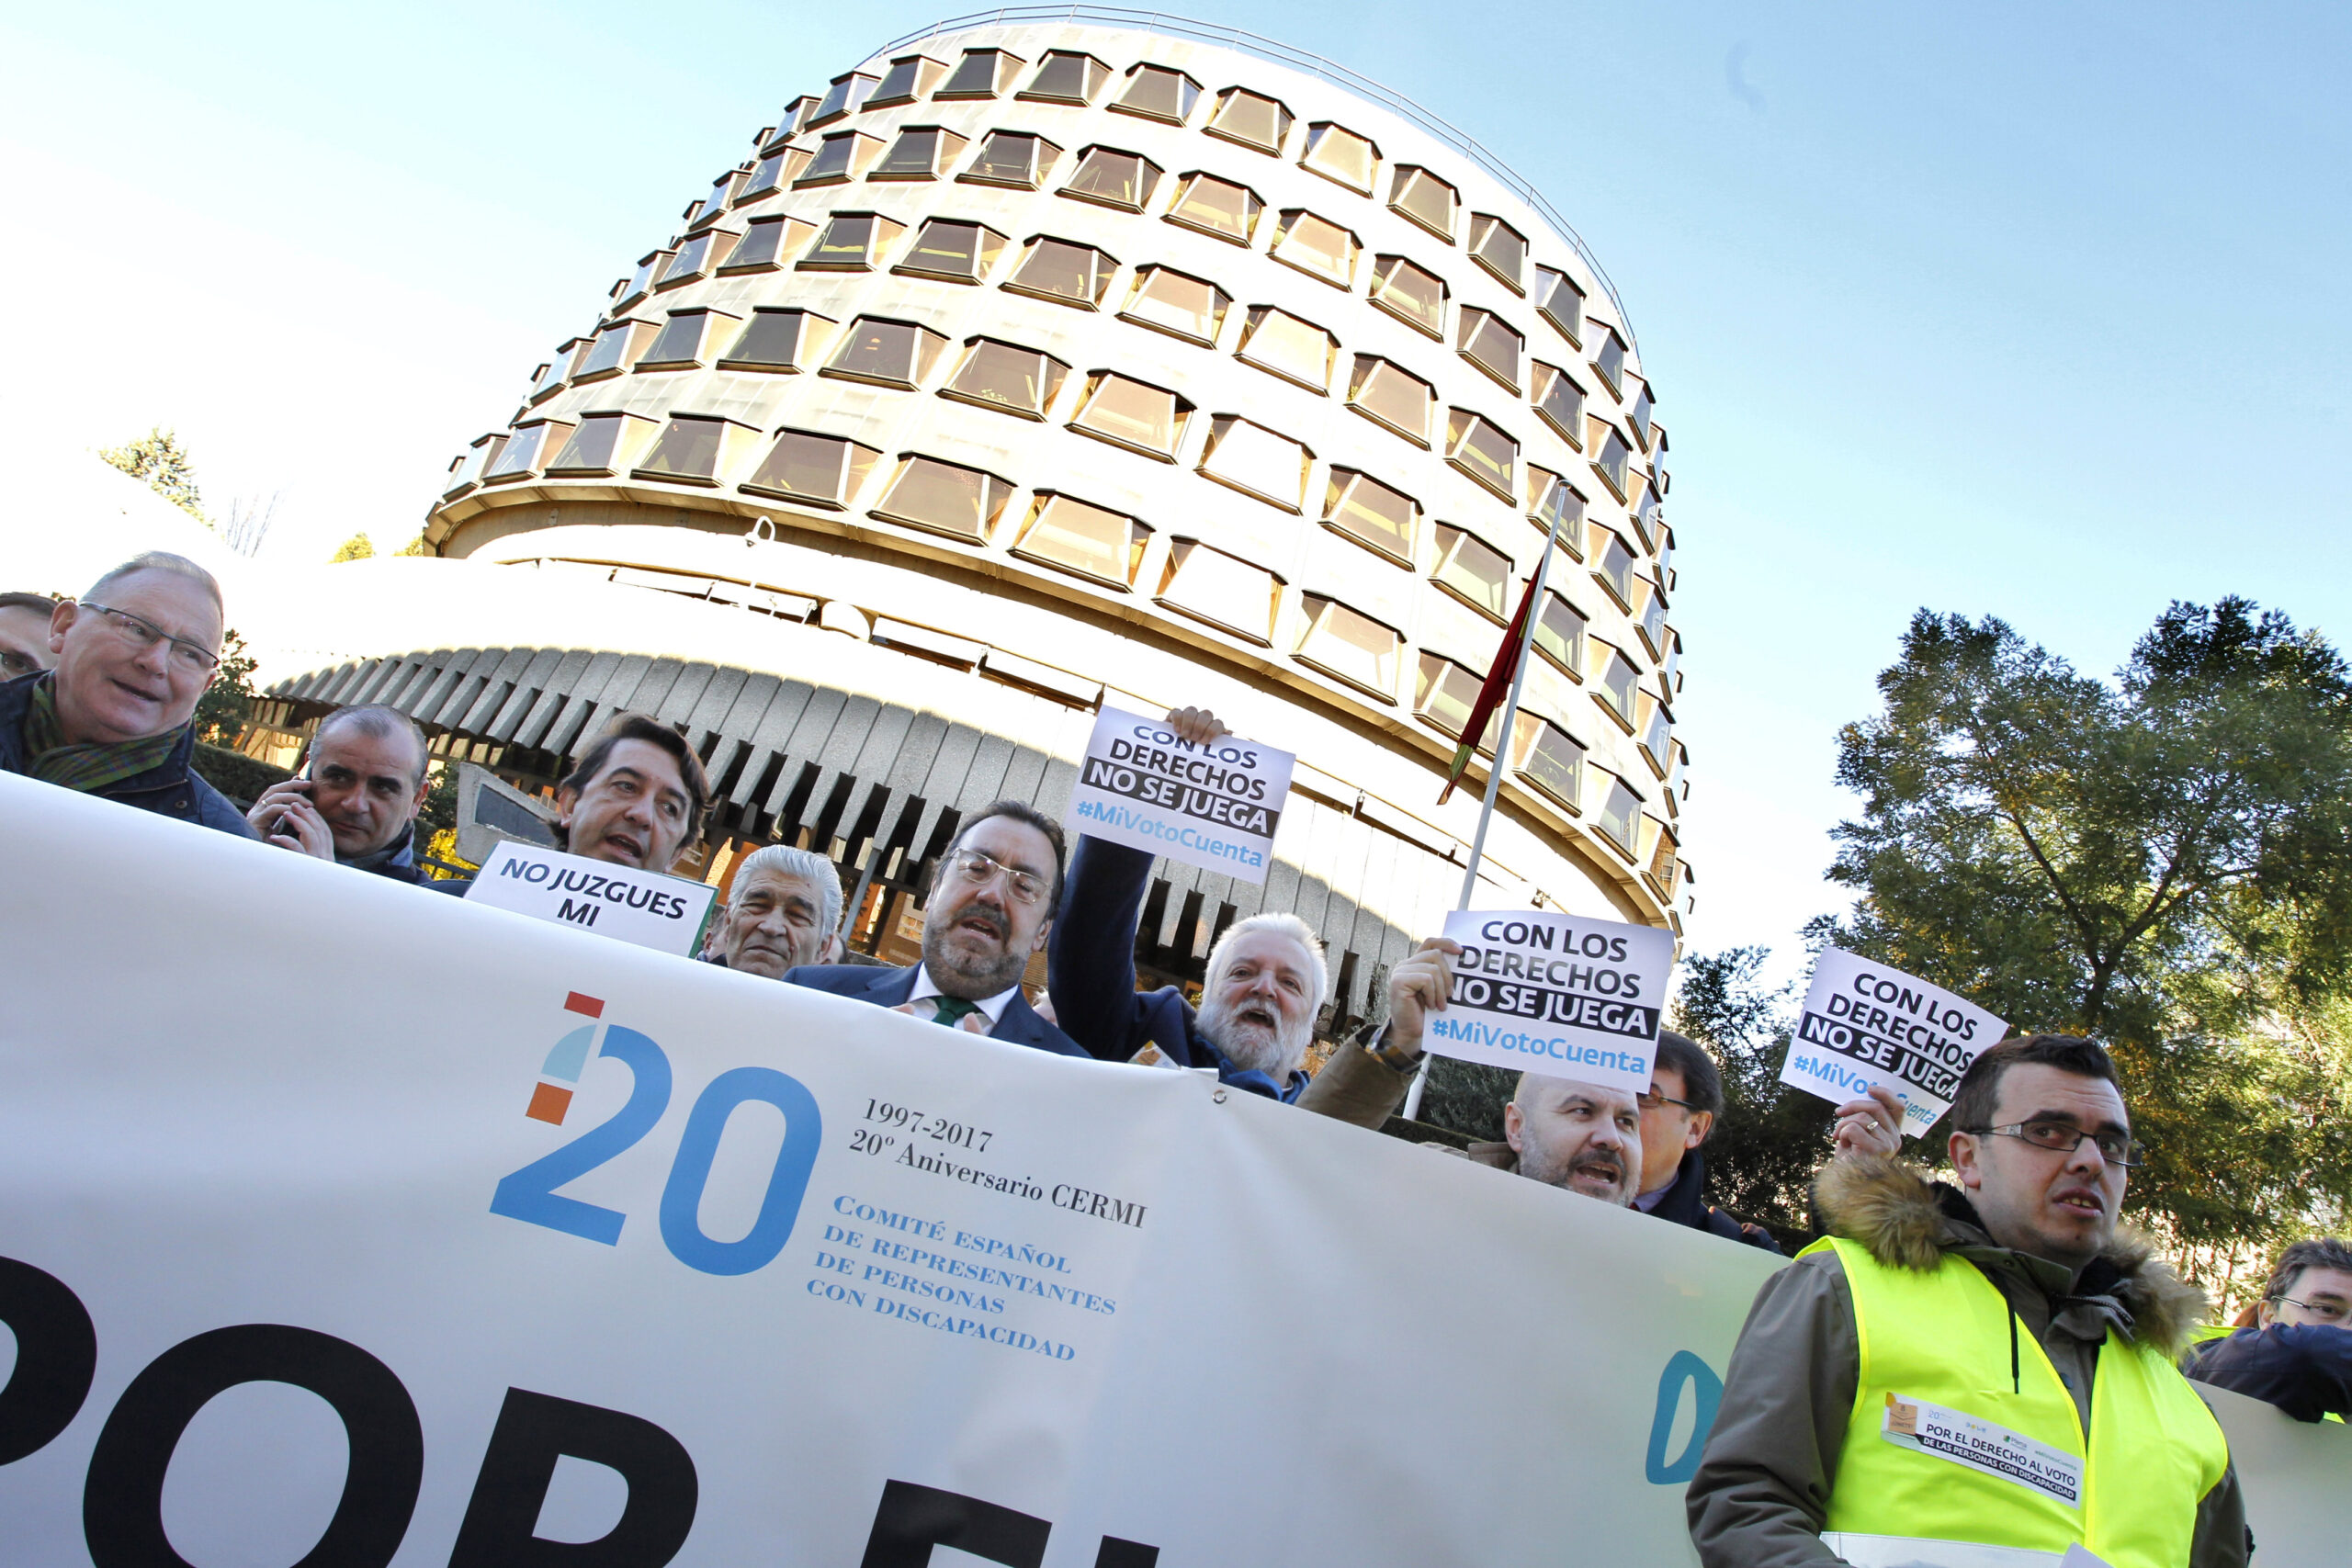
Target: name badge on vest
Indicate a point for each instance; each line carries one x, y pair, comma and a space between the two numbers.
1985, 1447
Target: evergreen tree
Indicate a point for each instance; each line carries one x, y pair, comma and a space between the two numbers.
2163, 864
160, 460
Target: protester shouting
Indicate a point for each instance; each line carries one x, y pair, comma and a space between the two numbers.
991, 908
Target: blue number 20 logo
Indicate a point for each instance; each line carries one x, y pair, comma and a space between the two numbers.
529, 1194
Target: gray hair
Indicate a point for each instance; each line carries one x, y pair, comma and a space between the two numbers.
162, 560
1284, 923
804, 866
379, 721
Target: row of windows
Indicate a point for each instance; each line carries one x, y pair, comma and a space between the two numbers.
1160, 298
1152, 420
1110, 177
967, 504
1240, 116
1095, 543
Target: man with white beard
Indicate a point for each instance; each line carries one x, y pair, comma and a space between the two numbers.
1265, 981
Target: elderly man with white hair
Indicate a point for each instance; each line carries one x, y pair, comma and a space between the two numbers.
114, 717
783, 909
1266, 977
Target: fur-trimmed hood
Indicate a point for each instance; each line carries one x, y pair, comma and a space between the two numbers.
1908, 1220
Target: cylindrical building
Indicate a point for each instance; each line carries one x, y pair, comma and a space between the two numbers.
1033, 357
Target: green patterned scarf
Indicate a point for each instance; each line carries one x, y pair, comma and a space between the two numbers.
89, 769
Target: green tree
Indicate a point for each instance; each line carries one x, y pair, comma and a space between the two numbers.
160, 460
416, 546
228, 702
2163, 863
356, 547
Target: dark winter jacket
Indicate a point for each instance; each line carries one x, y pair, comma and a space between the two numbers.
171, 788
1090, 974
2305, 1369
1685, 1203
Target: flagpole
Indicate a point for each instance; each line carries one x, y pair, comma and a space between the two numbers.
1495, 768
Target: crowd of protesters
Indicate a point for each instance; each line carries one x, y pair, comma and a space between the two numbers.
2003, 1305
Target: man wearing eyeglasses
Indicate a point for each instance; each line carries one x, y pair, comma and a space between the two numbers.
2297, 1351
1981, 1374
24, 634
991, 905
112, 717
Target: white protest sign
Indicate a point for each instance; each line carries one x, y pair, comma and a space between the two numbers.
1216, 806
666, 913
1864, 1024
1569, 997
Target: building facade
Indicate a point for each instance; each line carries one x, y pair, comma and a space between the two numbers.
1031, 363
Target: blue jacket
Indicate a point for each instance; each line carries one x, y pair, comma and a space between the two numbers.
171, 788
2305, 1369
1090, 974
889, 988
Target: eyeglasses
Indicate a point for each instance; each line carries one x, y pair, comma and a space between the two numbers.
2065, 1138
143, 635
2326, 1312
1650, 1099
979, 868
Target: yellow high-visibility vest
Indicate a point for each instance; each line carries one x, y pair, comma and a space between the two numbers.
1942, 1338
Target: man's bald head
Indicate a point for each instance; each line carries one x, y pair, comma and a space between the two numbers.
1579, 1136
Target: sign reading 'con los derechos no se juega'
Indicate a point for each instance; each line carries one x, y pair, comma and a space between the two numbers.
1216, 805
1864, 1025
1556, 994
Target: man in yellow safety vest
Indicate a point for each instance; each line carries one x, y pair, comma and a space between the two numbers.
1974, 1377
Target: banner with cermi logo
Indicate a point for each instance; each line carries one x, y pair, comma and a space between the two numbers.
1216, 806
1864, 1025
666, 913
507, 1245
1543, 992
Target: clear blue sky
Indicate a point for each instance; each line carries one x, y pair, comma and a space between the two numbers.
2022, 310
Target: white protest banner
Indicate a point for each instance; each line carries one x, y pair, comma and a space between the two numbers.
666, 913
1215, 805
756, 1275
1539, 991
1864, 1024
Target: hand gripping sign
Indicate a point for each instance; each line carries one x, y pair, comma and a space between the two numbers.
1554, 994
651, 909
1864, 1024
1216, 805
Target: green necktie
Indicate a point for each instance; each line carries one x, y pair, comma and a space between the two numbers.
950, 1009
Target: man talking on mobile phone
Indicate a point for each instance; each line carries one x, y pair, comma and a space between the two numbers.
357, 804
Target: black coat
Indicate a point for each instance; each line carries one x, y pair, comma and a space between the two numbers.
889, 988
1685, 1203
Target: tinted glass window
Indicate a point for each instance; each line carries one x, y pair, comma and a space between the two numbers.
1406, 290
1002, 376
1160, 94
1220, 206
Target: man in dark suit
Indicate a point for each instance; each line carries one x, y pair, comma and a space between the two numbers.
992, 904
